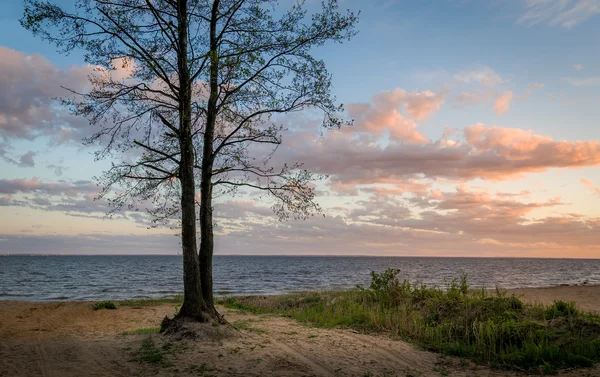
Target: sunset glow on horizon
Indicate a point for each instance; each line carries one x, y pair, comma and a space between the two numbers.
475, 133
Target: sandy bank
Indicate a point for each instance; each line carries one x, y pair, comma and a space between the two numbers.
587, 297
71, 339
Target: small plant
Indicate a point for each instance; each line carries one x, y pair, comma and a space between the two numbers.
384, 281
243, 325
561, 309
105, 305
149, 353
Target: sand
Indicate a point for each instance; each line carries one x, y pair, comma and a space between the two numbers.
71, 339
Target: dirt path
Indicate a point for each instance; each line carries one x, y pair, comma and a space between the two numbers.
71, 339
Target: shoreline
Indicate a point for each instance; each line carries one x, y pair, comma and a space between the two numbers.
528, 290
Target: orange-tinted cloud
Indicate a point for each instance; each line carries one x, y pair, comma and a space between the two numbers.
383, 113
503, 101
587, 183
490, 153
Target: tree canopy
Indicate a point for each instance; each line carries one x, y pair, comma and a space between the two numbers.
183, 93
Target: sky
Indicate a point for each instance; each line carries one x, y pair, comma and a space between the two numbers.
475, 134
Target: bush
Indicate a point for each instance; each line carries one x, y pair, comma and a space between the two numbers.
561, 309
105, 305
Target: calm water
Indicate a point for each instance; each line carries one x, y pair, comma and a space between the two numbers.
42, 278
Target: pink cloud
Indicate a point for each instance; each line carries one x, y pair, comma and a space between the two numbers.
28, 86
383, 113
460, 222
14, 186
490, 153
421, 106
503, 101
587, 183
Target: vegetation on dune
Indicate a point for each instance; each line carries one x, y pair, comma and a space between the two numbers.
498, 330
105, 305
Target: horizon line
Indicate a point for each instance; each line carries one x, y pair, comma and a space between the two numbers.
305, 255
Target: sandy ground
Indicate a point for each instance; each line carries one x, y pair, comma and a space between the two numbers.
71, 339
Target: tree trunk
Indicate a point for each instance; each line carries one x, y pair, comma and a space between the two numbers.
206, 218
193, 303
206, 242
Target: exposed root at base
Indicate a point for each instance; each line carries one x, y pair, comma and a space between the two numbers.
195, 328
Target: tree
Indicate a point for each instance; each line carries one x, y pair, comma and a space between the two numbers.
261, 66
204, 79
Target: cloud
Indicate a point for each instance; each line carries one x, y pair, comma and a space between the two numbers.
26, 160
421, 106
578, 67
383, 113
531, 88
75, 198
488, 152
33, 185
58, 169
587, 81
503, 101
89, 243
474, 97
563, 13
432, 222
465, 222
483, 76
29, 85
587, 183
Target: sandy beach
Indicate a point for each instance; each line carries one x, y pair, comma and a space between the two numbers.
71, 339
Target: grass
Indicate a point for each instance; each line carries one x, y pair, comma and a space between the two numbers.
105, 305
150, 353
493, 329
244, 325
141, 331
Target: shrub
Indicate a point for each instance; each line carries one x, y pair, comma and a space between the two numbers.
561, 309
105, 305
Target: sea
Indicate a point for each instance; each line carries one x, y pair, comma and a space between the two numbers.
116, 277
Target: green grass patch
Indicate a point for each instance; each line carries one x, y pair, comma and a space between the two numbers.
492, 329
244, 325
141, 331
105, 305
234, 303
150, 353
